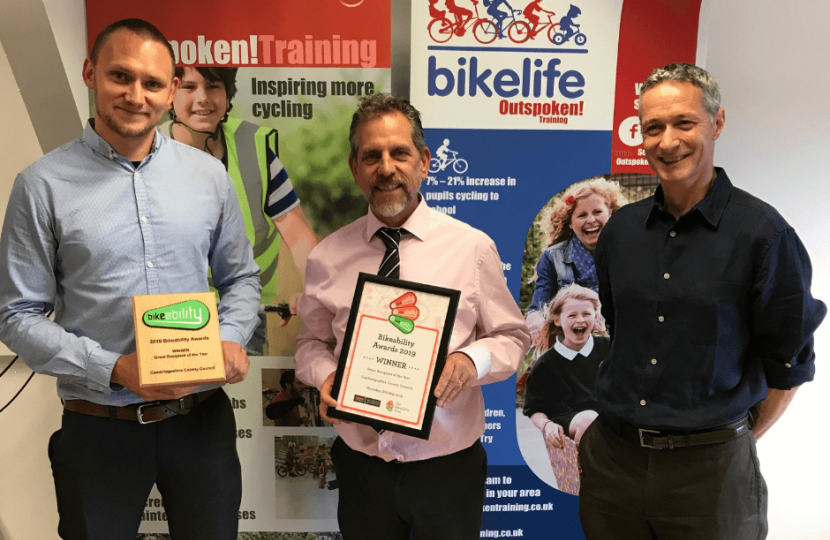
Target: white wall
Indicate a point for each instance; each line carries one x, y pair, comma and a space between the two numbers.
25, 477
18, 142
28, 510
770, 60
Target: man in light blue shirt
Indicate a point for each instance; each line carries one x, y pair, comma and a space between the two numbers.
124, 211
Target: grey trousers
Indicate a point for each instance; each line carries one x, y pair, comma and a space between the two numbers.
712, 492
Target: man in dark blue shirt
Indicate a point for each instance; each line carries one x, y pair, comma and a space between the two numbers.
706, 290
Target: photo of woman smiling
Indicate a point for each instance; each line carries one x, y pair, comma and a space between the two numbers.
574, 226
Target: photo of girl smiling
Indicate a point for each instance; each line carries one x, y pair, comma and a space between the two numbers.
559, 393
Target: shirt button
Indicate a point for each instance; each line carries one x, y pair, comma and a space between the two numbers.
673, 234
144, 219
643, 402
384, 444
787, 365
653, 361
149, 264
666, 275
661, 318
100, 388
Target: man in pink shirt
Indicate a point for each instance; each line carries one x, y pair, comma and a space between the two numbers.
392, 485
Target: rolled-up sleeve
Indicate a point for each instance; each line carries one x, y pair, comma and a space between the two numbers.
784, 313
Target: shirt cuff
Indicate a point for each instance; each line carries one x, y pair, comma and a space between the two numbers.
788, 376
481, 358
229, 333
99, 370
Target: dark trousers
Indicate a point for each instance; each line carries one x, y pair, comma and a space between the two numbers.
104, 470
710, 492
434, 499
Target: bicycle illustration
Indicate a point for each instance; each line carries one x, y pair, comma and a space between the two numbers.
442, 29
488, 30
559, 37
459, 165
520, 31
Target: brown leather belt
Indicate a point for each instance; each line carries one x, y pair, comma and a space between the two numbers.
671, 439
143, 413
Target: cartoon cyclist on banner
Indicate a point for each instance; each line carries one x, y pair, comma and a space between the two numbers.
434, 12
442, 153
494, 11
532, 17
462, 15
566, 24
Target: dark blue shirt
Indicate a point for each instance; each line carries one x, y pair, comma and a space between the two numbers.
705, 312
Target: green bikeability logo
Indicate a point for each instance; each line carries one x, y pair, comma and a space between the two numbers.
189, 315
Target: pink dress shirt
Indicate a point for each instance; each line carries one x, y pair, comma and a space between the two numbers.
438, 250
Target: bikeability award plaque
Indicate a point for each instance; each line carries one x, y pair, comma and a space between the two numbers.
393, 354
177, 339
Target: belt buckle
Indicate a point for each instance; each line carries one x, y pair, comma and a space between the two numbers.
140, 414
641, 432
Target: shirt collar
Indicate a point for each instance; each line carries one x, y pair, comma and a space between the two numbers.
417, 225
570, 354
99, 145
710, 207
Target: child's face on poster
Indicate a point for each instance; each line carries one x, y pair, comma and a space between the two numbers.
577, 320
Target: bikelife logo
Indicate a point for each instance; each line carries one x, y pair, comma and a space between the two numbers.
189, 315
550, 91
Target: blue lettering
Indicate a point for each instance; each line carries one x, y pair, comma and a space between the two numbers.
550, 75
476, 81
433, 73
534, 80
461, 76
572, 79
505, 79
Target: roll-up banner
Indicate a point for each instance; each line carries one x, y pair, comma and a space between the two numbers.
520, 101
302, 66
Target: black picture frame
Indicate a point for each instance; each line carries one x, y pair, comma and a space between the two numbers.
376, 420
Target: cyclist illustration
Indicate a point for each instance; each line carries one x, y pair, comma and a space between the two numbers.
533, 18
434, 12
494, 11
566, 23
442, 153
443, 160
462, 15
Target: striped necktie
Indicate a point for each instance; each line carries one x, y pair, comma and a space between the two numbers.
391, 265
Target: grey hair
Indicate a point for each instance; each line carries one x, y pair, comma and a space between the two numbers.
380, 104
685, 73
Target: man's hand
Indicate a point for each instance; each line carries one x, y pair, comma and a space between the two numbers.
771, 409
292, 307
554, 434
327, 401
580, 423
459, 370
236, 362
125, 373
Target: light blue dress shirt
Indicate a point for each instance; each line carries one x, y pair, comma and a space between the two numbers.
85, 230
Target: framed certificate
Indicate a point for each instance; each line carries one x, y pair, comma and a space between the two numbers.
393, 354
